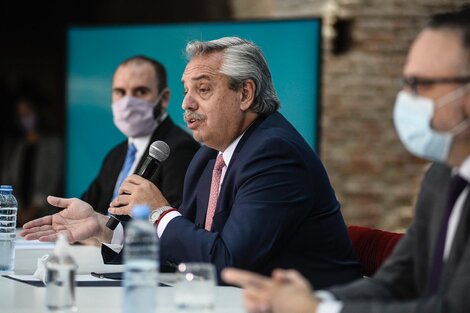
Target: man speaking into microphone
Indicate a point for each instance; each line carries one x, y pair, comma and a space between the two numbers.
255, 195
159, 151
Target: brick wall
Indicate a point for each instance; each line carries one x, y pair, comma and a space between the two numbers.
375, 178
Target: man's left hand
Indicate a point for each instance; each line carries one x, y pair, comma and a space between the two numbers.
285, 292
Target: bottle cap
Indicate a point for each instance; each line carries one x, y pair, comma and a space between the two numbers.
61, 245
6, 188
141, 212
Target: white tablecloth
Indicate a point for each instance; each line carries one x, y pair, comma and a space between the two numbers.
20, 297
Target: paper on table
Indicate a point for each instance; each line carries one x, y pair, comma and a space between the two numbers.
84, 277
88, 259
85, 280
33, 245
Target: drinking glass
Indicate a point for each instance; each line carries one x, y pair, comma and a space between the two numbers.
194, 291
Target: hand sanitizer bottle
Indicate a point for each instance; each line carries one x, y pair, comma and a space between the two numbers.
60, 278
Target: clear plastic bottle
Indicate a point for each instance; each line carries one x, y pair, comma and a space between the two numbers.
141, 263
60, 278
8, 211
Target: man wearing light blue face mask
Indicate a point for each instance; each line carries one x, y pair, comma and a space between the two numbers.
417, 111
429, 270
140, 97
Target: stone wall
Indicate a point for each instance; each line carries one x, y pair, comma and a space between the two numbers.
375, 178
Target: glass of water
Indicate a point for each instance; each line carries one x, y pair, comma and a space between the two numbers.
194, 291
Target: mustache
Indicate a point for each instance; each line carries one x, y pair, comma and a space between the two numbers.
188, 115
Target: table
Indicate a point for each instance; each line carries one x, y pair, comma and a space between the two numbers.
19, 297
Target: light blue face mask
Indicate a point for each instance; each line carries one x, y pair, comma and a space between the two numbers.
412, 117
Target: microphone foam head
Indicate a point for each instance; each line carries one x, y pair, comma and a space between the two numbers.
159, 150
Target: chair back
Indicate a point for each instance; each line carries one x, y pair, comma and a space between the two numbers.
372, 246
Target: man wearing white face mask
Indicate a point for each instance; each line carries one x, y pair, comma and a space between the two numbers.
413, 116
429, 270
140, 98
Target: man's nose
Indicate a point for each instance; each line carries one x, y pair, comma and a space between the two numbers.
189, 103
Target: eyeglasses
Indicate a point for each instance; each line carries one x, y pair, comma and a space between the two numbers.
414, 82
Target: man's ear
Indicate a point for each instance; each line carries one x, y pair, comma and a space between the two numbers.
165, 98
248, 90
467, 95
466, 101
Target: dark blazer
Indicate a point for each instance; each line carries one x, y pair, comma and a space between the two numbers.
400, 285
168, 178
276, 209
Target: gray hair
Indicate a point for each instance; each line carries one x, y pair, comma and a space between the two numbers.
242, 60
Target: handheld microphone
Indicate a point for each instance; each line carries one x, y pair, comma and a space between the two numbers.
158, 152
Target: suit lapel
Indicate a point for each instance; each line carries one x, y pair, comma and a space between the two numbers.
203, 190
226, 193
437, 208
458, 244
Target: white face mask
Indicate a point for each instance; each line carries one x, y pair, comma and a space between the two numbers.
134, 117
412, 117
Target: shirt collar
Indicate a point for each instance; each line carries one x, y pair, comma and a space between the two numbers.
228, 153
464, 169
140, 143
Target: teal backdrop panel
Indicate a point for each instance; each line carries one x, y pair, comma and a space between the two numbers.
291, 47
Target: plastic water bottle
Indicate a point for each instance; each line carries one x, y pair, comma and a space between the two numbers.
8, 211
60, 278
141, 263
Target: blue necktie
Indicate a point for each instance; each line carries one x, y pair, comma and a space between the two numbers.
130, 158
456, 186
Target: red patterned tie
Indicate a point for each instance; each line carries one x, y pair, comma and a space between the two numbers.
215, 184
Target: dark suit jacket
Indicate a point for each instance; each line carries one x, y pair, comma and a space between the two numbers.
276, 208
168, 178
400, 285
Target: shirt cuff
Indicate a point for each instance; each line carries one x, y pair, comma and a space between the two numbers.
118, 239
164, 222
328, 303
330, 307
325, 295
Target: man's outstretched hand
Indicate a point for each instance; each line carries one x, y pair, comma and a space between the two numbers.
77, 220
